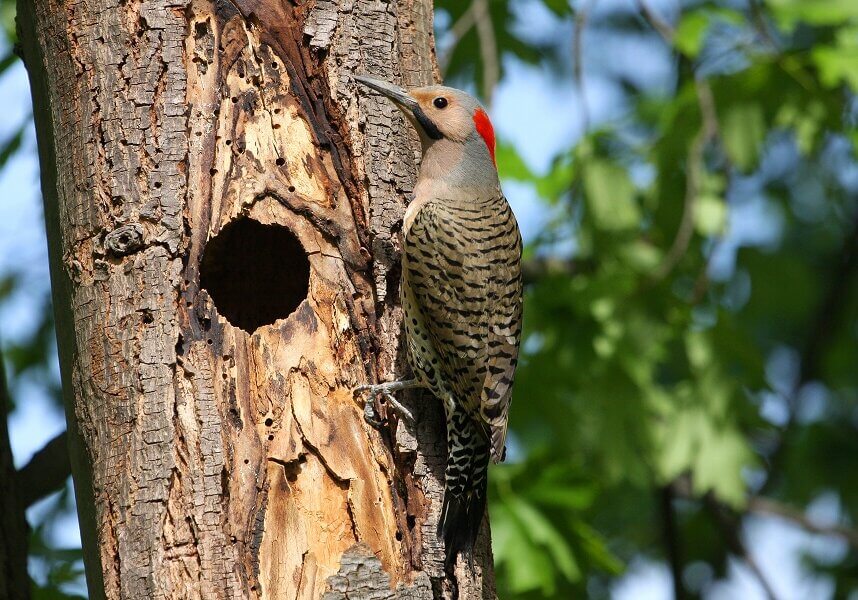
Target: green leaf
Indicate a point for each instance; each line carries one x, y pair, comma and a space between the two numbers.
718, 467
595, 548
543, 532
699, 350
710, 215
815, 12
562, 496
610, 196
511, 165
839, 63
528, 568
743, 130
690, 32
558, 181
640, 255
806, 121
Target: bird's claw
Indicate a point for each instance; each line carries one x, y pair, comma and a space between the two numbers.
369, 412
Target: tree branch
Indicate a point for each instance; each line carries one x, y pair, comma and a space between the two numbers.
823, 325
47, 471
766, 506
761, 25
731, 530
488, 48
458, 30
695, 168
578, 59
14, 580
662, 27
672, 546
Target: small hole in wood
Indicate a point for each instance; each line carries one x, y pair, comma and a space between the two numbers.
271, 438
255, 273
276, 126
157, 184
411, 520
398, 536
212, 172
291, 188
234, 100
280, 162
246, 461
269, 422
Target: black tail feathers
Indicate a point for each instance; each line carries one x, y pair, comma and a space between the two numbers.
465, 493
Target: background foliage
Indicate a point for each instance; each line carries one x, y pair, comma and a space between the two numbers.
690, 360
691, 319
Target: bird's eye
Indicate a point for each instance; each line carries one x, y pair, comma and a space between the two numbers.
440, 102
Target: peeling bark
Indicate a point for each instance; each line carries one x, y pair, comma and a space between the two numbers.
211, 460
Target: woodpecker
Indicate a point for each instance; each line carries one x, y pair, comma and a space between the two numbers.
461, 293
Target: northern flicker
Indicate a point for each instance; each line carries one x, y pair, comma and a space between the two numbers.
461, 293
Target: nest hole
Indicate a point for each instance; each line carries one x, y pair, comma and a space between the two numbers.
255, 273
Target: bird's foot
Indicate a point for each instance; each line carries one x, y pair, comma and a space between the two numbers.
385, 390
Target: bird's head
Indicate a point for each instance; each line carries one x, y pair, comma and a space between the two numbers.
443, 116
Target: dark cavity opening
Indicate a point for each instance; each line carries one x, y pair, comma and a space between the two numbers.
255, 273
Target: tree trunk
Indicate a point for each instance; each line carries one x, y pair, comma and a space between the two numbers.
222, 213
14, 532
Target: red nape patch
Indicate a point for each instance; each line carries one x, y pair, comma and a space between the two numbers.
486, 131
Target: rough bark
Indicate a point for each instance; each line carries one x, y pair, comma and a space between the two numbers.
14, 579
213, 458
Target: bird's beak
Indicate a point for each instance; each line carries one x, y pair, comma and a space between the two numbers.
425, 127
395, 93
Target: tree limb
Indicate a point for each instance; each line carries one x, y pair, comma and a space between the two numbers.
662, 27
14, 580
731, 529
769, 507
578, 61
671, 541
694, 171
488, 48
47, 471
822, 327
458, 30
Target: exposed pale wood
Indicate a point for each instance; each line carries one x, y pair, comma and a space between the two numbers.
209, 461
